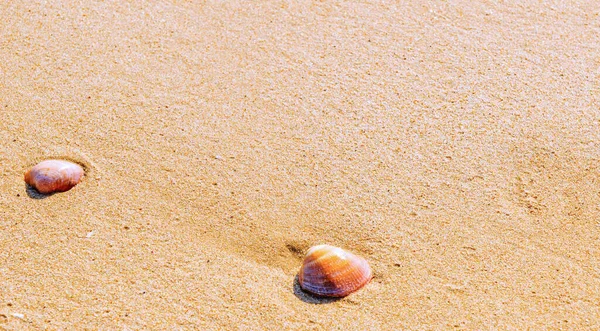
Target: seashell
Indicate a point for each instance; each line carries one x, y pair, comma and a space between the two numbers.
54, 176
333, 272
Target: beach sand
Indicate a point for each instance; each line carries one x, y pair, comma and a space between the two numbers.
453, 144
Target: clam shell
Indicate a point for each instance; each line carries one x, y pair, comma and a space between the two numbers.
333, 272
54, 176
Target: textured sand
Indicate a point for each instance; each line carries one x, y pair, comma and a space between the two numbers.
454, 144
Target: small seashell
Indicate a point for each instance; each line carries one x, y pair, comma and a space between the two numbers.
333, 272
18, 315
54, 176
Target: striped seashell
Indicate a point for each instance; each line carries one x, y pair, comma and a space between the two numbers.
54, 176
333, 272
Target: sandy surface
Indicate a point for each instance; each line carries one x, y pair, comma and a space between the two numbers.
454, 144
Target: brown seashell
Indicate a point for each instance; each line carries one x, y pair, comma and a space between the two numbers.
333, 272
54, 176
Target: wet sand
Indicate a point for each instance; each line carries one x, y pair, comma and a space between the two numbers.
455, 145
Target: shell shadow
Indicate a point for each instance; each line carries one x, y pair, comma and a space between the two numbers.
310, 298
34, 194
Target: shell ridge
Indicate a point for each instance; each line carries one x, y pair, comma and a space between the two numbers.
54, 176
332, 271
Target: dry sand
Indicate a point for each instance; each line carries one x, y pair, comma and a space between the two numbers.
454, 144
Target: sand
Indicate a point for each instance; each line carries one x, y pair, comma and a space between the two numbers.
453, 144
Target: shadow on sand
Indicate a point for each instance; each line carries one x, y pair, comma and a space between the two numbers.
34, 194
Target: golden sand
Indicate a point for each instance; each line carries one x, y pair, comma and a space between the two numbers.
453, 144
